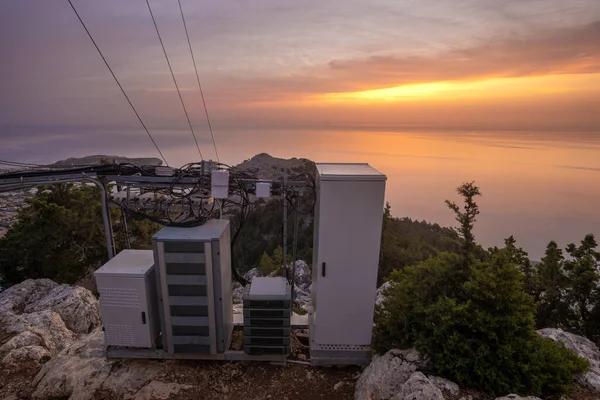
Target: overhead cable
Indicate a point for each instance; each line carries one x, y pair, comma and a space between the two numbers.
174, 80
118, 83
198, 79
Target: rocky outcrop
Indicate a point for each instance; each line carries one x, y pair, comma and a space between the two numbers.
418, 387
302, 284
584, 348
386, 375
82, 369
448, 388
77, 307
253, 273
302, 275
41, 318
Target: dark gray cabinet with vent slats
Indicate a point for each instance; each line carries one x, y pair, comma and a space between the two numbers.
194, 285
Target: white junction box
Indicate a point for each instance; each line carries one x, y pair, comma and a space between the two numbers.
128, 300
348, 222
263, 189
220, 184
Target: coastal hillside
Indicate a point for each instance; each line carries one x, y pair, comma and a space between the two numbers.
100, 159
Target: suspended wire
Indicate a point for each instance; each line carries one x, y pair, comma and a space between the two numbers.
174, 80
118, 83
198, 79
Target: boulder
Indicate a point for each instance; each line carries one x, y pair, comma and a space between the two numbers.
253, 273
238, 293
302, 275
584, 348
302, 298
41, 314
16, 298
447, 387
82, 369
25, 357
517, 397
23, 339
77, 307
48, 325
380, 297
387, 374
418, 387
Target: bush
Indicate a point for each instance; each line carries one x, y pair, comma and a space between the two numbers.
475, 323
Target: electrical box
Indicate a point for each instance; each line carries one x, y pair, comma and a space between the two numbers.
348, 222
128, 300
220, 184
263, 189
195, 288
267, 311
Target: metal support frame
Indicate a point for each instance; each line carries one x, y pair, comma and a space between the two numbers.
23, 183
285, 227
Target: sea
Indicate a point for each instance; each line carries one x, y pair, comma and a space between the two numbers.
536, 185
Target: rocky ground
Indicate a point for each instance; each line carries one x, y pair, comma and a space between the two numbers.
52, 347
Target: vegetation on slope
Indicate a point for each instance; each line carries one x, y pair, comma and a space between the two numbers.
471, 315
59, 235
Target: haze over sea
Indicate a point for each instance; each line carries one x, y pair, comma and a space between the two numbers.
537, 186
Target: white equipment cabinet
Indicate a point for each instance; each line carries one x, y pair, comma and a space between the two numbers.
348, 222
128, 301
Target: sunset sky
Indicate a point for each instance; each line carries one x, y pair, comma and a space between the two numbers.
486, 64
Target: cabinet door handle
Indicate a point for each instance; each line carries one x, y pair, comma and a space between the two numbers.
323, 268
143, 317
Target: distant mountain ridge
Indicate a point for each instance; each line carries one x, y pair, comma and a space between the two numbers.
96, 159
266, 166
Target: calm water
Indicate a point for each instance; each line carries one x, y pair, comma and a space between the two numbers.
537, 186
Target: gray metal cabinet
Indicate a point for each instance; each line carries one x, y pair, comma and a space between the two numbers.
348, 219
128, 300
194, 282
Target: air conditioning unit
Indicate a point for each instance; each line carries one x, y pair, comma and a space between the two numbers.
128, 300
195, 288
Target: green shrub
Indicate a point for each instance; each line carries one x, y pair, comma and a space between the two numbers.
475, 323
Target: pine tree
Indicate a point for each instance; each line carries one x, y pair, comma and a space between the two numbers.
520, 259
583, 280
466, 218
552, 310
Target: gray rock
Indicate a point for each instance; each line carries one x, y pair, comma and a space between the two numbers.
238, 293
447, 387
253, 273
77, 307
517, 397
81, 369
302, 298
23, 339
583, 347
386, 374
48, 325
380, 297
418, 387
16, 298
25, 357
44, 318
302, 275
238, 308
